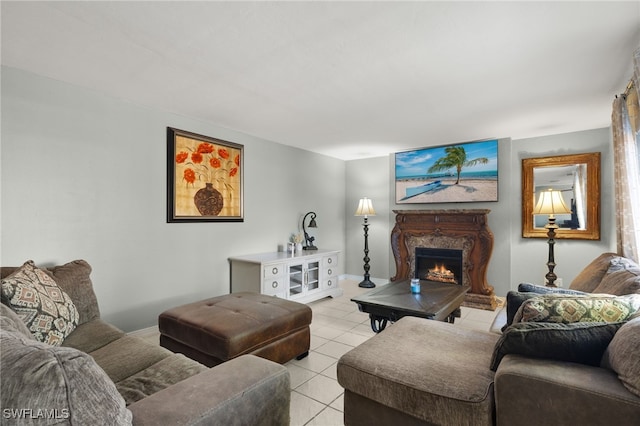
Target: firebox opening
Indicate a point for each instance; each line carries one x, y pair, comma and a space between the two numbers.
441, 265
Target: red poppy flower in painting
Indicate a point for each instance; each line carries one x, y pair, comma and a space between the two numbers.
196, 157
189, 175
237, 160
215, 163
206, 148
233, 172
223, 153
181, 157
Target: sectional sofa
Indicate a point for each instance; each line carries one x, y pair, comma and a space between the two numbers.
78, 369
540, 369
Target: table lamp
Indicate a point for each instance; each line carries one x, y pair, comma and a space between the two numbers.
551, 202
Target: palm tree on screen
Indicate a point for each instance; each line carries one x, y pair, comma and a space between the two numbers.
456, 157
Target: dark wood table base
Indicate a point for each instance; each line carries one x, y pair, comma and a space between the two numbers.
390, 302
378, 323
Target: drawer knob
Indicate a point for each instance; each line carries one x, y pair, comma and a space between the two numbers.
274, 284
329, 271
330, 260
274, 271
329, 283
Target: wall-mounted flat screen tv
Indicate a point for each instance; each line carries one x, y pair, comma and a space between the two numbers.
456, 173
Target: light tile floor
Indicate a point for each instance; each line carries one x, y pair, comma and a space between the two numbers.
337, 327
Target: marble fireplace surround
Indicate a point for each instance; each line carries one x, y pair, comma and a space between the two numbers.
465, 230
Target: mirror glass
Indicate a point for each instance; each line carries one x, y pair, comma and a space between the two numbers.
577, 177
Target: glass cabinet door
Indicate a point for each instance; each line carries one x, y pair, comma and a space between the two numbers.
296, 279
304, 277
313, 275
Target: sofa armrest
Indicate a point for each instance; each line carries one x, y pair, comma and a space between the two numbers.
243, 391
532, 391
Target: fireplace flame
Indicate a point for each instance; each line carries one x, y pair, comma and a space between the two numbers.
440, 273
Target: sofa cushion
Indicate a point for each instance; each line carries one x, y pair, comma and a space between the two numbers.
431, 370
74, 278
622, 355
162, 374
622, 277
589, 278
46, 309
93, 335
568, 309
127, 356
44, 380
581, 342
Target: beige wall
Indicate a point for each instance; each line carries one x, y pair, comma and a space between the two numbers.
84, 176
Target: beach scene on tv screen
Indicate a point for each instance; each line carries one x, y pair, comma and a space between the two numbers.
456, 173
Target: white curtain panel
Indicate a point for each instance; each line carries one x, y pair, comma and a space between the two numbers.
627, 172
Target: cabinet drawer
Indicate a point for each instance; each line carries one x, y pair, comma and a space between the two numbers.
330, 261
331, 271
273, 286
271, 271
331, 282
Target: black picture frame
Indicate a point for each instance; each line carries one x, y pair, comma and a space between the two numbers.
205, 178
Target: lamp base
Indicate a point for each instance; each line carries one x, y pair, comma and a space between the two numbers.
366, 283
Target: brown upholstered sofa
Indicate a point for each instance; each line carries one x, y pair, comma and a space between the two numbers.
422, 372
101, 375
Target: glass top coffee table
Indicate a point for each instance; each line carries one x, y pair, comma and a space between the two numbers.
390, 302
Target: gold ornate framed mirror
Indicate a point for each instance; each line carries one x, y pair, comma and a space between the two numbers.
577, 176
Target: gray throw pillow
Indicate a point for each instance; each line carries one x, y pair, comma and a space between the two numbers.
582, 343
10, 321
534, 288
46, 385
622, 355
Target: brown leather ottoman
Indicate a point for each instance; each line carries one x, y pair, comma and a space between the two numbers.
216, 330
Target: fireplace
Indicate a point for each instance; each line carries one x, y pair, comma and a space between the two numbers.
441, 265
464, 231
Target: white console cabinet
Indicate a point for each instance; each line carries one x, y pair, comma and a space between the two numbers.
303, 278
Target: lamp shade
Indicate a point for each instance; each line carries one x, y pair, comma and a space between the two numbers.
551, 202
365, 208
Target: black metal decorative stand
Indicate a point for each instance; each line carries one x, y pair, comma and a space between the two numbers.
367, 283
308, 240
551, 263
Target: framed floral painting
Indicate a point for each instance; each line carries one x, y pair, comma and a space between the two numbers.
204, 178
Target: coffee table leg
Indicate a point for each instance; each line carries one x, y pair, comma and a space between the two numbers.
377, 323
453, 315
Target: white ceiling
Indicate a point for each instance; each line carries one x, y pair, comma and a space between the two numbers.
345, 79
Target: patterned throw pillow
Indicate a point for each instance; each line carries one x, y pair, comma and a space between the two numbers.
568, 309
44, 307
